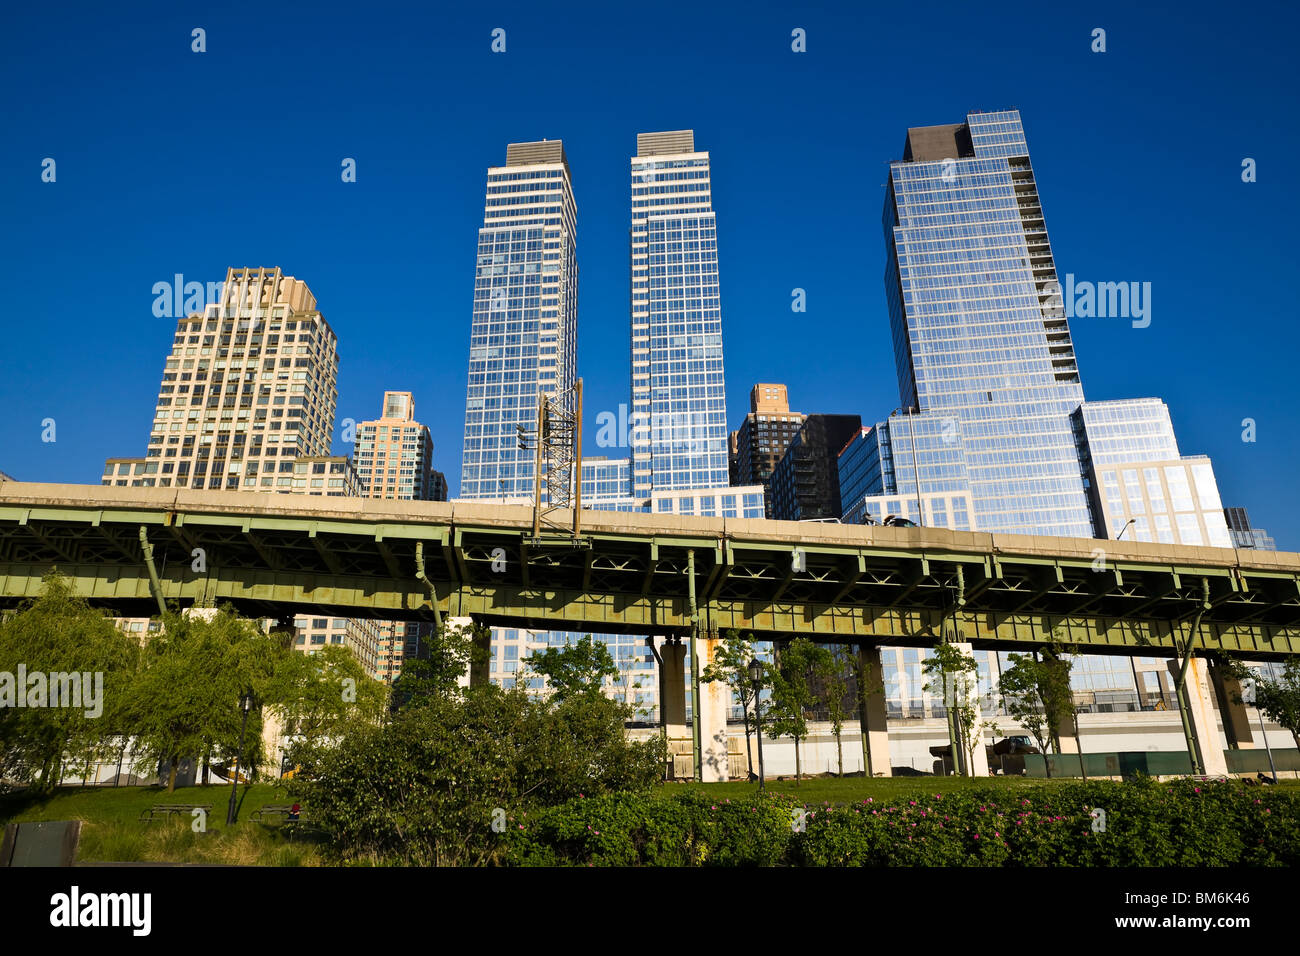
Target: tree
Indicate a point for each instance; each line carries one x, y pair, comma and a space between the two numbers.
730, 665
450, 651
575, 670
1037, 694
63, 648
429, 787
319, 694
801, 663
1279, 699
1019, 689
185, 699
952, 674
628, 683
836, 688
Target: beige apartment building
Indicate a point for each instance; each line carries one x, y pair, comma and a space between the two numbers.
394, 454
247, 402
394, 459
248, 389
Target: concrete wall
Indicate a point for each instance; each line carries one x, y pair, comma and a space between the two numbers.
910, 740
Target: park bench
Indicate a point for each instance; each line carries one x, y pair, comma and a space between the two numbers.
159, 810
274, 813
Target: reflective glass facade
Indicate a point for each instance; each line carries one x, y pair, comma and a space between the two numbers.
983, 348
679, 414
1131, 429
524, 332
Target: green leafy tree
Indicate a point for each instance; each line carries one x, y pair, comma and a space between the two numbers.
730, 665
801, 664
1278, 699
835, 687
185, 699
318, 695
951, 674
1019, 689
445, 657
1037, 693
58, 635
576, 670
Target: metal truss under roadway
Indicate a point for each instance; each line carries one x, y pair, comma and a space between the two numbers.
282, 555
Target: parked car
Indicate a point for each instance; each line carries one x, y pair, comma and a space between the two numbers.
1006, 756
898, 521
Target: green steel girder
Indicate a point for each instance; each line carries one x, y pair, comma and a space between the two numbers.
634, 580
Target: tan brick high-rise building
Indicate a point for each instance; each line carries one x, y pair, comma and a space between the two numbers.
394, 459
248, 387
394, 454
247, 403
762, 439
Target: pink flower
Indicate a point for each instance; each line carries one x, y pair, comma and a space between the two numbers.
977, 836
521, 826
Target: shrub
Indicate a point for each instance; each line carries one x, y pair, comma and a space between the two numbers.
1186, 823
423, 789
687, 829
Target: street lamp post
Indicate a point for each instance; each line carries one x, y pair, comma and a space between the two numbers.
1125, 528
756, 678
245, 704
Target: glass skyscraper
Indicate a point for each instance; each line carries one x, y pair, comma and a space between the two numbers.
679, 408
523, 339
992, 408
524, 333
985, 362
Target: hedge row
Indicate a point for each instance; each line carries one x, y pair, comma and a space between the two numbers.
1144, 823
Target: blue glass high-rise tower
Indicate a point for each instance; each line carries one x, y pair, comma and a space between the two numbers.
983, 350
524, 333
679, 408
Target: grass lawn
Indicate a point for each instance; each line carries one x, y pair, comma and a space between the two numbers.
112, 830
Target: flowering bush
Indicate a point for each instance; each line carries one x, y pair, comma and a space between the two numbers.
1145, 823
623, 829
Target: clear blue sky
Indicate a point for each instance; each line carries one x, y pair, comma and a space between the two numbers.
175, 162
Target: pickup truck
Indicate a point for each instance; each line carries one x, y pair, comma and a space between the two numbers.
1006, 756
